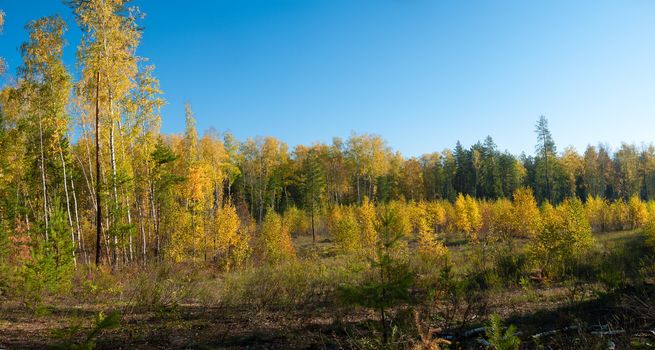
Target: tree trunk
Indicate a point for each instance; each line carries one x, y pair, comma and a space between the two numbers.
313, 229
68, 206
155, 223
43, 181
139, 213
359, 196
80, 239
98, 204
114, 211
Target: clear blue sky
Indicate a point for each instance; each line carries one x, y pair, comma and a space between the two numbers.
421, 73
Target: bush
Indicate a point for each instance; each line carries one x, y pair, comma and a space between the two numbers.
597, 210
638, 212
275, 243
526, 218
511, 267
564, 238
345, 229
232, 239
367, 220
296, 220
164, 287
290, 283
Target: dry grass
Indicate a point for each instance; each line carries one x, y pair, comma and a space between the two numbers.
292, 305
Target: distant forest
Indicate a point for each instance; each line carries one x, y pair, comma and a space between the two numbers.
121, 178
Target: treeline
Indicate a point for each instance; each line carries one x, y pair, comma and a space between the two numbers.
85, 170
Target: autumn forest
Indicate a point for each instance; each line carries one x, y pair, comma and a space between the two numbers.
112, 232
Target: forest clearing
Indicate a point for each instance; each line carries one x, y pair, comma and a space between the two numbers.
296, 305
116, 234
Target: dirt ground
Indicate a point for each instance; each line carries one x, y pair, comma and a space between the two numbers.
572, 316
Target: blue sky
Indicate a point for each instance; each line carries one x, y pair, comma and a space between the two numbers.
421, 73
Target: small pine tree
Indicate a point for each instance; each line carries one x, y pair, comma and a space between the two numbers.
390, 278
51, 266
499, 339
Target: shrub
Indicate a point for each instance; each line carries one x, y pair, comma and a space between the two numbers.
367, 220
429, 248
511, 267
296, 221
436, 212
163, 288
461, 218
638, 212
401, 223
454, 302
565, 237
619, 216
274, 240
526, 218
344, 229
291, 283
232, 240
597, 210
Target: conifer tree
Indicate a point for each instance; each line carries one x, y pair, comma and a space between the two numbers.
546, 153
313, 186
390, 279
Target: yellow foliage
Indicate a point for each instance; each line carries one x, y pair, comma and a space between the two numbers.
638, 212
461, 219
474, 217
232, 242
181, 240
502, 219
468, 219
437, 213
597, 210
423, 224
451, 216
420, 219
197, 184
401, 224
275, 240
344, 228
566, 235
619, 215
366, 217
296, 220
526, 218
428, 246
